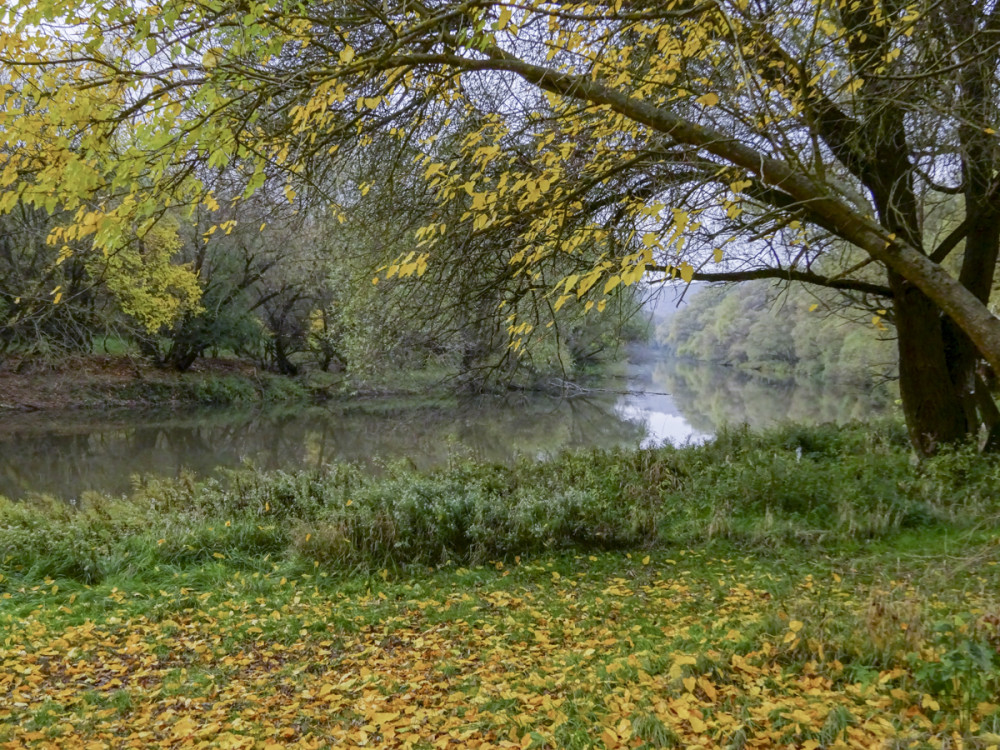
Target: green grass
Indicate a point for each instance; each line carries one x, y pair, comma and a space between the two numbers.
114, 344
802, 587
215, 390
590, 632
822, 488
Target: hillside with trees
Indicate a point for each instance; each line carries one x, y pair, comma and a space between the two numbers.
783, 332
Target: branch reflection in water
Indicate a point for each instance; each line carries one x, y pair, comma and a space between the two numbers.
666, 401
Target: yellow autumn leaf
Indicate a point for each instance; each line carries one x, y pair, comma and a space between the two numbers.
184, 727
503, 20
709, 689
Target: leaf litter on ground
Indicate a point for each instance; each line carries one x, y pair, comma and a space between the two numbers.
670, 649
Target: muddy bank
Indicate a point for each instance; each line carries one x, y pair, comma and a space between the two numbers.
112, 382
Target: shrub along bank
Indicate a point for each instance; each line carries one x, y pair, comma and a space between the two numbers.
822, 487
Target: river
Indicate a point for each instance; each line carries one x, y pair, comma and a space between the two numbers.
667, 401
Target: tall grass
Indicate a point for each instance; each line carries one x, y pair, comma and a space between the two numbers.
821, 486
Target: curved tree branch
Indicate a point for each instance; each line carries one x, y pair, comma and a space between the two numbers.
786, 274
895, 251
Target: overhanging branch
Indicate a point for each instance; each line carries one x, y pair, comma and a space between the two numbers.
785, 274
893, 250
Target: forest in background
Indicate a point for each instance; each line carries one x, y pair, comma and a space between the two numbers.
783, 330
523, 160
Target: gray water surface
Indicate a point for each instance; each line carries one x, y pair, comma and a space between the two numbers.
68, 454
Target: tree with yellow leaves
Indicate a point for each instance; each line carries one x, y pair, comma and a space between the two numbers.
692, 139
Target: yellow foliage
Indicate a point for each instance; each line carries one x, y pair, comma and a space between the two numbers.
608, 96
150, 287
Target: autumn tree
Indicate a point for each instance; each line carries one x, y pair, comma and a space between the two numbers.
260, 265
721, 140
59, 299
31, 279
458, 316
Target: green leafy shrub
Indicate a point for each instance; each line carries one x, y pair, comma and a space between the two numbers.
277, 389
223, 390
823, 486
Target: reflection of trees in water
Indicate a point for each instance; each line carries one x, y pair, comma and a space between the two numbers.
66, 458
484, 429
542, 427
711, 397
71, 459
29, 464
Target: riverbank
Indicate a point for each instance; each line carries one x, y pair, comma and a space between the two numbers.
105, 382
811, 588
113, 382
108, 382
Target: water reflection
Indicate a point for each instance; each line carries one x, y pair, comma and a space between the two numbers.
667, 401
69, 454
681, 401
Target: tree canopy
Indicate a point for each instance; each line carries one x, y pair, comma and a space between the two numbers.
690, 139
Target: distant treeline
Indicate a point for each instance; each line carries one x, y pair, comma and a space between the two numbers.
792, 331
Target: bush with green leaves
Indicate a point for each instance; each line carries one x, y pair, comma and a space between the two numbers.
822, 486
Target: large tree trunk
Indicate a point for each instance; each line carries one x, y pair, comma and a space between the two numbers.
965, 362
282, 362
980, 157
944, 327
932, 405
953, 402
966, 367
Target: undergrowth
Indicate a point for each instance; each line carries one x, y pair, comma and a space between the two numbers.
820, 487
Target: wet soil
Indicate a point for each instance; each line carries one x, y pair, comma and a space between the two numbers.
105, 381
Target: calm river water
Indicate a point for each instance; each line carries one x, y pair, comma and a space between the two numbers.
669, 401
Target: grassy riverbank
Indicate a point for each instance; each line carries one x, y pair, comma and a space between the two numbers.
812, 588
106, 382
